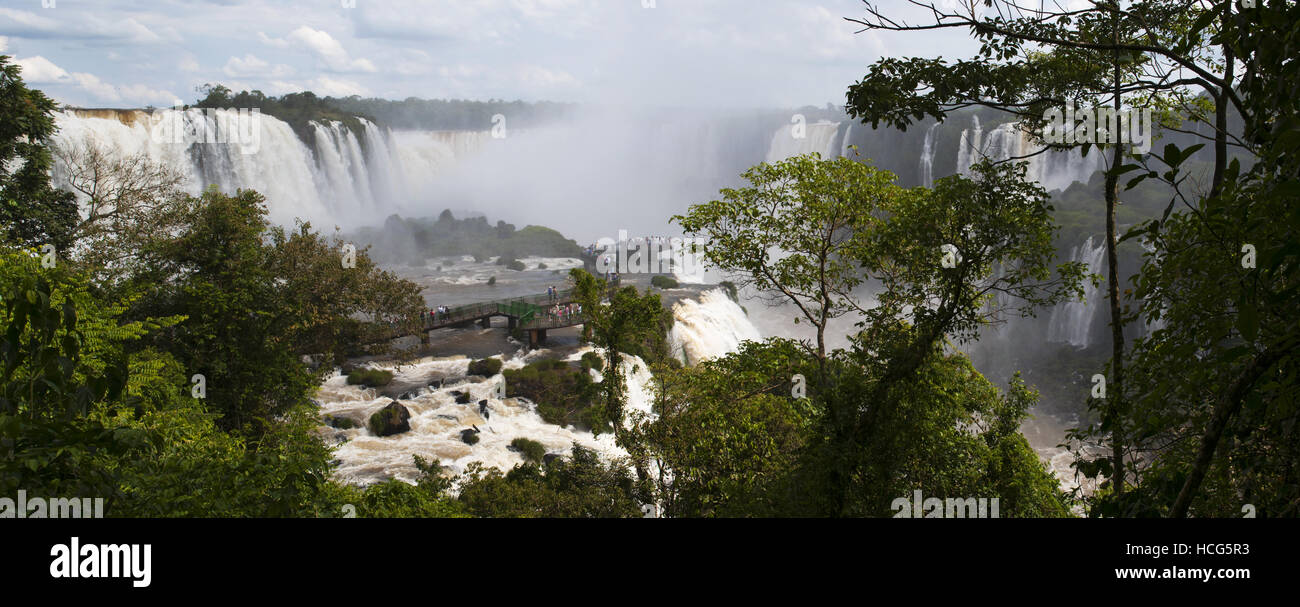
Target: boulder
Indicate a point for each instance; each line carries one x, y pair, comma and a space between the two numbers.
469, 437
394, 418
463, 398
550, 457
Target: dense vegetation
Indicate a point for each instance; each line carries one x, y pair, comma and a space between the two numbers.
565, 396
416, 240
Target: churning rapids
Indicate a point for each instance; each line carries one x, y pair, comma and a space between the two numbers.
437, 420
555, 176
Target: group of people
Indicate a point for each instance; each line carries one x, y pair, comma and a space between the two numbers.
564, 312
434, 314
552, 293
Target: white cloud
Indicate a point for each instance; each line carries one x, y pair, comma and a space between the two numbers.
39, 70
4, 44
329, 51
250, 65
83, 25
330, 87
269, 41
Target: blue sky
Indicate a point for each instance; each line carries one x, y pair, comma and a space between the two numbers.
746, 53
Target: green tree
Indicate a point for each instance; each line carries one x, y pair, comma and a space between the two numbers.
793, 233
620, 325
727, 433
580, 486
219, 274
65, 372
32, 211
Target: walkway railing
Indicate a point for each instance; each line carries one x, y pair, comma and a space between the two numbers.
524, 309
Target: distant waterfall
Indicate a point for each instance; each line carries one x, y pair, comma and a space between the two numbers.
1072, 321
969, 150
820, 137
927, 157
344, 177
1054, 170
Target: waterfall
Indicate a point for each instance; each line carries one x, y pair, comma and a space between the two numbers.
344, 177
927, 157
969, 150
818, 137
1072, 320
709, 328
1054, 170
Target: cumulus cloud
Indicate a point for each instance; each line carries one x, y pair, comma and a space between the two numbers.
39, 70
4, 44
330, 87
251, 65
80, 25
323, 46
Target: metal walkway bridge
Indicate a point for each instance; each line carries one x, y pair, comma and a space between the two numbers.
534, 314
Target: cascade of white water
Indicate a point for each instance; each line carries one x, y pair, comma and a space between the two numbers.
927, 157
969, 150
1054, 170
1071, 321
711, 327
336, 179
819, 137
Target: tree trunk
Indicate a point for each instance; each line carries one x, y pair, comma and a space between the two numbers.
1116, 384
1221, 118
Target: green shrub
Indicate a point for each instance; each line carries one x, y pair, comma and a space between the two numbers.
592, 360
664, 282
516, 265
341, 422
492, 281
370, 378
564, 395
541, 266
532, 450
487, 367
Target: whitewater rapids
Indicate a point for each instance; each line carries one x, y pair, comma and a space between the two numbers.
710, 327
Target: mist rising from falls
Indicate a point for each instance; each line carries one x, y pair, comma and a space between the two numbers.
1072, 320
709, 328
